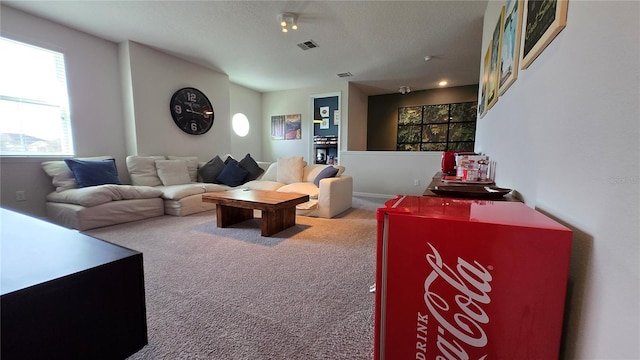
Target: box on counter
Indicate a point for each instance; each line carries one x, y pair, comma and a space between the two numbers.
467, 166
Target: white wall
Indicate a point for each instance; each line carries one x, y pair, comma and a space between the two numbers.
356, 132
297, 101
565, 136
119, 97
248, 102
93, 78
155, 77
390, 173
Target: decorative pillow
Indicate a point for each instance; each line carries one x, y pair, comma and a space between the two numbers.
210, 171
229, 158
192, 165
232, 174
62, 177
142, 170
327, 172
173, 172
290, 170
272, 173
93, 172
249, 164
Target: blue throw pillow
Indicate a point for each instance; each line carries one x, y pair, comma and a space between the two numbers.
232, 175
93, 172
327, 172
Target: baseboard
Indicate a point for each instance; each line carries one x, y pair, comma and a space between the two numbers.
381, 196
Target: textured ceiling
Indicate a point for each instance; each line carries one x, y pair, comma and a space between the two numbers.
382, 43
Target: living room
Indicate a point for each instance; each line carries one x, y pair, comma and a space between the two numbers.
565, 137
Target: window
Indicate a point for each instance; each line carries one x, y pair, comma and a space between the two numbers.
34, 105
446, 127
240, 124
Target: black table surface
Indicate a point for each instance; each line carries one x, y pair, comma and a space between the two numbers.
34, 251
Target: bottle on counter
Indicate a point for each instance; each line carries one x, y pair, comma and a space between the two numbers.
471, 171
483, 170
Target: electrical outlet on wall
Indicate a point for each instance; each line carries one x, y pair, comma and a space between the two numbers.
416, 182
21, 195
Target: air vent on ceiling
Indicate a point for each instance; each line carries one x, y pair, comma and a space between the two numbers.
308, 45
345, 74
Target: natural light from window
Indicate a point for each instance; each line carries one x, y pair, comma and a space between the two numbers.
34, 105
240, 124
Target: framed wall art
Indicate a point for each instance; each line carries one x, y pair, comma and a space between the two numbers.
277, 127
293, 127
482, 103
510, 54
496, 48
542, 22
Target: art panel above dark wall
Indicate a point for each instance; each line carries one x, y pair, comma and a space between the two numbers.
382, 119
332, 103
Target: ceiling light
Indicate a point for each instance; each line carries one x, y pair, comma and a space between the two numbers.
288, 21
443, 83
404, 90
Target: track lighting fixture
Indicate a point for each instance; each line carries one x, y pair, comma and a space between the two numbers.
288, 21
404, 90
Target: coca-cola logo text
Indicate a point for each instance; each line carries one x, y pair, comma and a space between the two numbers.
459, 319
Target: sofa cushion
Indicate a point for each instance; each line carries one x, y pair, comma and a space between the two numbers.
142, 170
271, 174
96, 195
192, 165
232, 174
210, 171
263, 185
290, 169
301, 188
215, 187
327, 172
173, 172
61, 176
177, 192
93, 172
249, 164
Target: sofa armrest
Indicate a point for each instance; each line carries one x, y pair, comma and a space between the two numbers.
335, 196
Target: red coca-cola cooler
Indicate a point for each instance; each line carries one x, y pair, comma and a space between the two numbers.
468, 279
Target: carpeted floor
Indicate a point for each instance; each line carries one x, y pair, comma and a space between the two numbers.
232, 294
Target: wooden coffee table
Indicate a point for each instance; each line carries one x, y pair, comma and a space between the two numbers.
278, 208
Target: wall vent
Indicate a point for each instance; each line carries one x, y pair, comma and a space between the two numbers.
308, 45
345, 74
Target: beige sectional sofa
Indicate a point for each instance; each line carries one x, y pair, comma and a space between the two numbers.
174, 186
86, 207
332, 196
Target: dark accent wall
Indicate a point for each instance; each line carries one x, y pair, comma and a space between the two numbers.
332, 103
382, 120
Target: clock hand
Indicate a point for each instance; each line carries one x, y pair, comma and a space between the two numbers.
194, 112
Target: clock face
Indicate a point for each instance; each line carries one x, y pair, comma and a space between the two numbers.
191, 111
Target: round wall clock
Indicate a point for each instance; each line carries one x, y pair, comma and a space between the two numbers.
191, 110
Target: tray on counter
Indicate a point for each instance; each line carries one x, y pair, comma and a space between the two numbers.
454, 180
470, 191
